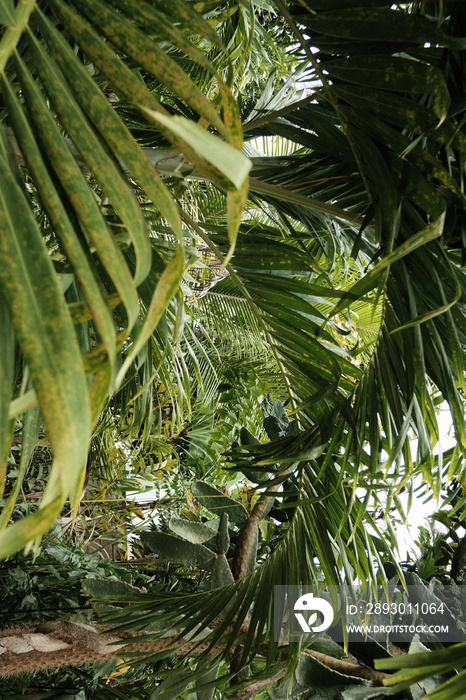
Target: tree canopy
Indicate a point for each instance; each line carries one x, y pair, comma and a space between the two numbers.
232, 247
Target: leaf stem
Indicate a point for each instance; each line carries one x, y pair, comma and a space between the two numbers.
271, 116
278, 191
12, 35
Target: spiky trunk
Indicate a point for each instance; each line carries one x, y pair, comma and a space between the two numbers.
32, 648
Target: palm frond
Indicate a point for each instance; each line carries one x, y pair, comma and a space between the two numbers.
382, 157
230, 319
85, 170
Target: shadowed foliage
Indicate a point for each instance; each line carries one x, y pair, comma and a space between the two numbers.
189, 189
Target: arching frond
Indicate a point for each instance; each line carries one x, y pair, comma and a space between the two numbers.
83, 171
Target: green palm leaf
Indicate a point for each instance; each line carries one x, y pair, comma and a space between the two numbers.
365, 149
369, 159
87, 172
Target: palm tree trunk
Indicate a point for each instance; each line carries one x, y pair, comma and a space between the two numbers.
32, 648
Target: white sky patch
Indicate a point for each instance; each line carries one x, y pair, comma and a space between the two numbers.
421, 507
420, 510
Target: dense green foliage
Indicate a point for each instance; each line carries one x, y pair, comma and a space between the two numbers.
232, 248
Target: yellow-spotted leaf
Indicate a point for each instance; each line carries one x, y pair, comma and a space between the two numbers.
228, 160
45, 333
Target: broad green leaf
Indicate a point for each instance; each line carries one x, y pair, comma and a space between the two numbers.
12, 34
111, 128
222, 541
247, 438
313, 675
104, 168
207, 693
396, 74
221, 573
369, 281
215, 501
197, 533
363, 693
7, 13
28, 443
376, 24
166, 288
95, 305
228, 160
45, 333
107, 588
7, 353
79, 193
172, 549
